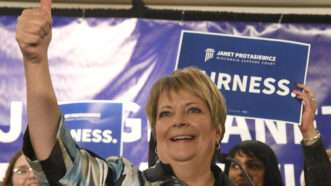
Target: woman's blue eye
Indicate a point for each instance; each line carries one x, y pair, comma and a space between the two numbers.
164, 114
194, 110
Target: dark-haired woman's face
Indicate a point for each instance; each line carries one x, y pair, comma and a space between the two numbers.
253, 167
22, 174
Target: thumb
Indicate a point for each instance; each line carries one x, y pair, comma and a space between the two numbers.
46, 5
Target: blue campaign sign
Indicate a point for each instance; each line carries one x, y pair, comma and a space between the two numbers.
95, 125
256, 75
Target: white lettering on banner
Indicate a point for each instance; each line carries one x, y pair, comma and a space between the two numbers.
249, 56
225, 53
240, 128
277, 130
255, 56
133, 125
283, 88
255, 84
297, 134
3, 168
16, 111
250, 84
239, 83
223, 81
269, 87
302, 179
236, 125
326, 110
289, 177
82, 116
93, 135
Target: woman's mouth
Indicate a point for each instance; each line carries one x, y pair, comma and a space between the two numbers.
180, 138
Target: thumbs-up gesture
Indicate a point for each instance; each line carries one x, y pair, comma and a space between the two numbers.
34, 32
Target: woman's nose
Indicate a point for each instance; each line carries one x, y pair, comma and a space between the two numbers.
31, 175
243, 170
179, 125
180, 120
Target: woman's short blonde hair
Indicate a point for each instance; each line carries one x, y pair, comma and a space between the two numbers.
196, 82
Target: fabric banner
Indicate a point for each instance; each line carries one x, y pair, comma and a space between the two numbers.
110, 64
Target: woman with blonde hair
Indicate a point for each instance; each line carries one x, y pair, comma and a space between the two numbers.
186, 111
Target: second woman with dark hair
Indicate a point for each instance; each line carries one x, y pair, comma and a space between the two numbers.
19, 172
258, 160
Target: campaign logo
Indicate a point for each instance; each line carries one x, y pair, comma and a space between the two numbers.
209, 54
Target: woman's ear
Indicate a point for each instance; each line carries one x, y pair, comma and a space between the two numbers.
219, 135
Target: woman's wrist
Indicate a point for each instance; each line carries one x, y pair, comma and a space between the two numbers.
312, 138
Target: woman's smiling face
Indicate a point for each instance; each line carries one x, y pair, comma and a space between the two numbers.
184, 129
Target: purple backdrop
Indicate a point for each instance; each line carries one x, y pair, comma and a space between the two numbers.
119, 59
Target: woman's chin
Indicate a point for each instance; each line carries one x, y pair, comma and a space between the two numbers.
182, 156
